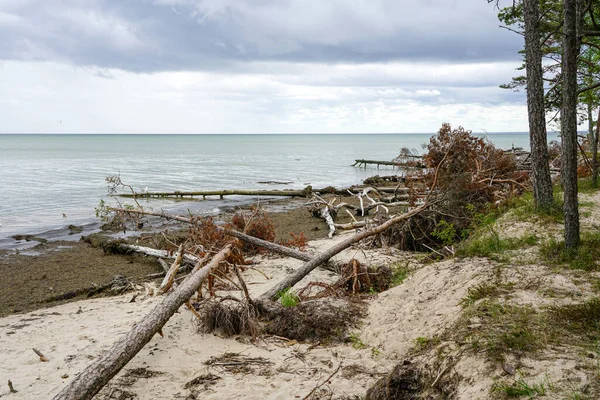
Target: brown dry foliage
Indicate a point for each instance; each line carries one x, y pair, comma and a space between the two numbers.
473, 175
254, 223
299, 241
471, 165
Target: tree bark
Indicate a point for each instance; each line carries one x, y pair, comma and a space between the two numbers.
91, 380
569, 125
290, 280
594, 147
542, 182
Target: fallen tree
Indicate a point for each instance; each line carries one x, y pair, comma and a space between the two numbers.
306, 192
91, 380
275, 292
274, 247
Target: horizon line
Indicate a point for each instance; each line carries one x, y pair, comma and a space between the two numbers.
252, 133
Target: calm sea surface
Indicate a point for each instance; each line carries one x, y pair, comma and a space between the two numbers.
44, 176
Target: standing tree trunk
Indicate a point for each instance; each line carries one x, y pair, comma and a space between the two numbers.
594, 148
542, 183
569, 124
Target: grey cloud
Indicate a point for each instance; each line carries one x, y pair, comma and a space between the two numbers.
167, 35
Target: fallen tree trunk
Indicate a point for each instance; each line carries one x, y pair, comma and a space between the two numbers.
274, 247
306, 192
351, 225
157, 253
91, 380
274, 292
409, 164
221, 193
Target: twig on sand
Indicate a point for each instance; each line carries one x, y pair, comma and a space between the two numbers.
323, 383
42, 357
11, 388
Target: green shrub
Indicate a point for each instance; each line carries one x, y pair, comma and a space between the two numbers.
289, 298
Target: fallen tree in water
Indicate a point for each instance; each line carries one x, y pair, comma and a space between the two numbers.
306, 192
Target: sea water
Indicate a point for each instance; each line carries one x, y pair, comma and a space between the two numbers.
50, 181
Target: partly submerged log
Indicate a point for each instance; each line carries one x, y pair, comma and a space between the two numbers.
397, 164
306, 192
91, 380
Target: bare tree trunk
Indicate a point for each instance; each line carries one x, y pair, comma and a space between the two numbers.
594, 148
569, 125
91, 380
274, 292
542, 182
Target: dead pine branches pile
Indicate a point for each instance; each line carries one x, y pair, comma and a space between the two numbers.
463, 174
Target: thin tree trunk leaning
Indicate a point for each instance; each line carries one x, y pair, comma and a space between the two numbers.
569, 125
274, 247
542, 182
91, 380
290, 280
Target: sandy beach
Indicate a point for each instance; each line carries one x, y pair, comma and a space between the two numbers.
72, 335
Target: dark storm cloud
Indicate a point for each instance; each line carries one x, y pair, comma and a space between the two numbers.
166, 35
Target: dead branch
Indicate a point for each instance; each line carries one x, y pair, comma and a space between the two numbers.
327, 217
323, 383
156, 253
42, 357
170, 276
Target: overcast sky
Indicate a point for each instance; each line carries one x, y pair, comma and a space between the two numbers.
255, 66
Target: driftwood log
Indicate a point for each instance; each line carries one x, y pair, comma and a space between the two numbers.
91, 380
157, 253
398, 164
306, 192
